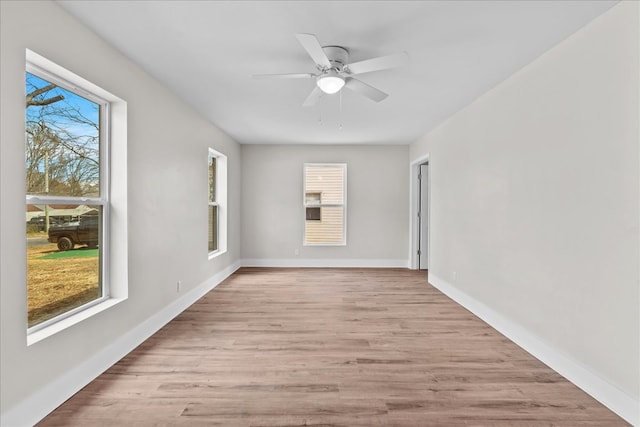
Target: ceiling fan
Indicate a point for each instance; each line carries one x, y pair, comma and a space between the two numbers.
335, 71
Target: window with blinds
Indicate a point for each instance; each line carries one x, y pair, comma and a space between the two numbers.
325, 188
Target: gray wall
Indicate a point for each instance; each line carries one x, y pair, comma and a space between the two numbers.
377, 205
167, 196
535, 192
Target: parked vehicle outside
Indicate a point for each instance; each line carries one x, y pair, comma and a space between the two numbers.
82, 232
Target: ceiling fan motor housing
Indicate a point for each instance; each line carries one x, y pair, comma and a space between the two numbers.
337, 55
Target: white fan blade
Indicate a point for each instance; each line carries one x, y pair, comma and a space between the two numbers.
284, 76
365, 90
379, 63
313, 97
313, 48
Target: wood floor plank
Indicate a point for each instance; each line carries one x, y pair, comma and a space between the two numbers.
329, 347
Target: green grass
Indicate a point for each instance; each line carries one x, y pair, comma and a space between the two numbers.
74, 253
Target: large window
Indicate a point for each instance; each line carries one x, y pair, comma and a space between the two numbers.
67, 197
325, 194
217, 216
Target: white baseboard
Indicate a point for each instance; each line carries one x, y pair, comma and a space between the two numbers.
606, 393
38, 405
326, 263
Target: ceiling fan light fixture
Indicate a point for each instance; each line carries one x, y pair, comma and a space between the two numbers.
330, 82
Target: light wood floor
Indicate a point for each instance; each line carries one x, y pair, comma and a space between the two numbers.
329, 347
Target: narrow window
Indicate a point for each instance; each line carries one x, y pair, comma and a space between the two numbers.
217, 217
325, 204
213, 205
67, 198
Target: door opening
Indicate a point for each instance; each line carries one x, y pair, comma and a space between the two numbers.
423, 216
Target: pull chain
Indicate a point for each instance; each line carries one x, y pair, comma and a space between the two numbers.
340, 112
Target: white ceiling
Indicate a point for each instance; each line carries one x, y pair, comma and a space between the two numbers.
206, 52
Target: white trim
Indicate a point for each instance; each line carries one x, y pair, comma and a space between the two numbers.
326, 263
76, 82
636, 411
414, 169
606, 393
35, 407
53, 326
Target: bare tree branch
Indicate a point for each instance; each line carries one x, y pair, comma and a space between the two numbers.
31, 101
43, 102
63, 134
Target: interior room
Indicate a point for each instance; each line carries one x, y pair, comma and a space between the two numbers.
331, 165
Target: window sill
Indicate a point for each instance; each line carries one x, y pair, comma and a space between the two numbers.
324, 244
63, 324
216, 254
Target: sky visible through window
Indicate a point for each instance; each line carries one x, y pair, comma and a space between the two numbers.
63, 137
87, 108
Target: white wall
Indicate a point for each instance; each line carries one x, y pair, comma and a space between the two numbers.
535, 206
377, 205
167, 208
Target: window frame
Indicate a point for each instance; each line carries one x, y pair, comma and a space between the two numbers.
103, 200
220, 202
321, 205
116, 271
